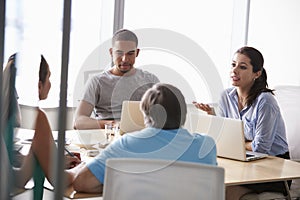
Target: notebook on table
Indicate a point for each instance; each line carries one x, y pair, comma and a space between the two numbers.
229, 136
132, 118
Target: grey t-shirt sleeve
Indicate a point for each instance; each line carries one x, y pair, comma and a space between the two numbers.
92, 90
154, 78
141, 82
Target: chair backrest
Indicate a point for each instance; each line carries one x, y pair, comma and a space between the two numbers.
128, 178
28, 117
288, 99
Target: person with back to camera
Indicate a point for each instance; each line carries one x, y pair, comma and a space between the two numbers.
164, 110
254, 103
43, 145
104, 93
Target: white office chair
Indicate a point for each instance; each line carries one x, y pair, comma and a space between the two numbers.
129, 179
28, 116
288, 98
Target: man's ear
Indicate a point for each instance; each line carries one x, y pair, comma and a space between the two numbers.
111, 52
137, 52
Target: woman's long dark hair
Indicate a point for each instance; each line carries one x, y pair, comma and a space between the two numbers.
260, 84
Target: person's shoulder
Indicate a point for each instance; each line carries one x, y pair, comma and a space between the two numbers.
41, 114
142, 71
143, 133
206, 141
204, 137
267, 97
100, 75
42, 121
228, 91
145, 73
98, 78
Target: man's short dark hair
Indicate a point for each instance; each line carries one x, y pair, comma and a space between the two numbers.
164, 107
124, 35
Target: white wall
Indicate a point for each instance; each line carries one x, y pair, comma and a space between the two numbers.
200, 35
274, 29
217, 27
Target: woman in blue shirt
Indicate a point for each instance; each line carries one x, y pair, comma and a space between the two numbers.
253, 102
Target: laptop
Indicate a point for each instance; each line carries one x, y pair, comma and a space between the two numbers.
228, 134
132, 118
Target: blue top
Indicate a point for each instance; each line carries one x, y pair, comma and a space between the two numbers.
263, 123
176, 144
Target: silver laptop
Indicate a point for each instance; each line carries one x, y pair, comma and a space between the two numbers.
132, 118
228, 134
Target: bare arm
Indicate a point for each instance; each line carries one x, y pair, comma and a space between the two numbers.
85, 181
42, 149
43, 145
83, 119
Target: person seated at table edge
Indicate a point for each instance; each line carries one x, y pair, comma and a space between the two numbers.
43, 146
164, 110
105, 92
251, 100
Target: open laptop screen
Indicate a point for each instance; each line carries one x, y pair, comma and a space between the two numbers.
228, 134
132, 118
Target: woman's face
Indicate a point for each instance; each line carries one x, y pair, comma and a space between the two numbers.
45, 87
241, 73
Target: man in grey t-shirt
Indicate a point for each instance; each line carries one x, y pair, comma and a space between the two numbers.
106, 92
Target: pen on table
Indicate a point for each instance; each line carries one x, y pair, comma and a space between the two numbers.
70, 153
73, 155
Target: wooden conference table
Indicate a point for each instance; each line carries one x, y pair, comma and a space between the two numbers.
238, 173
264, 170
